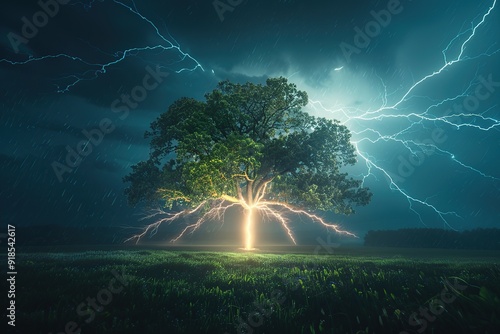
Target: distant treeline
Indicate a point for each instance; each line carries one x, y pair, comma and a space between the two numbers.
435, 238
48, 235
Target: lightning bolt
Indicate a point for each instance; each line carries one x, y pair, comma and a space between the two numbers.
447, 64
217, 211
152, 229
352, 117
267, 208
93, 70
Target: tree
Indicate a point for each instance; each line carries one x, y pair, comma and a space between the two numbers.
246, 145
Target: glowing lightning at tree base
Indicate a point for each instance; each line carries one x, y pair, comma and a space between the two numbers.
249, 229
265, 208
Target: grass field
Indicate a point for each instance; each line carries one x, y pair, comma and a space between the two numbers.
214, 290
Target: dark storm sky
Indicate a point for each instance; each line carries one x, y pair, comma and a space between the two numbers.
257, 39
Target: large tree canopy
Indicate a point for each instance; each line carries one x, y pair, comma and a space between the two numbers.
244, 144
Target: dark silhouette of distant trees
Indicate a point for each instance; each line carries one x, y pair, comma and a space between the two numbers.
50, 235
488, 239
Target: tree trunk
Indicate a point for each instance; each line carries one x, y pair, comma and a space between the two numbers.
249, 237
249, 223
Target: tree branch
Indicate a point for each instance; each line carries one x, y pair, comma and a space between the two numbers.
230, 199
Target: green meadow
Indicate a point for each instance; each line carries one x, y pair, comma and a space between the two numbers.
141, 290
